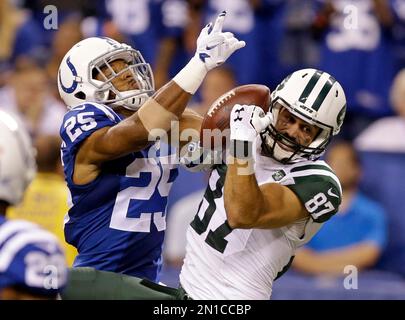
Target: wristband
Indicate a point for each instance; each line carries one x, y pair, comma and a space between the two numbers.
191, 76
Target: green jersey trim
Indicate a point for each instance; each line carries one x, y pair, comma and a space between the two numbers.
319, 191
311, 167
315, 170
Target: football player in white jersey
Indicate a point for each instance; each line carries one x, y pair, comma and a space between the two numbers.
272, 196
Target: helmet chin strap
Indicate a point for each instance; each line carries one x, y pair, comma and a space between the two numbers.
312, 152
134, 100
280, 154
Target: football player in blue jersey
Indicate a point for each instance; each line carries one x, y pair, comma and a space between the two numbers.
118, 175
32, 263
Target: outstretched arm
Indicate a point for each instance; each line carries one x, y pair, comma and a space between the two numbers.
156, 115
189, 129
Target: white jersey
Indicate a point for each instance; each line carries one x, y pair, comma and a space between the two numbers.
222, 263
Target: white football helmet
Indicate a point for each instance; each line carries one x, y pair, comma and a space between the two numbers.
315, 97
77, 71
17, 159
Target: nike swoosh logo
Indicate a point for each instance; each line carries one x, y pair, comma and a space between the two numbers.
209, 48
332, 194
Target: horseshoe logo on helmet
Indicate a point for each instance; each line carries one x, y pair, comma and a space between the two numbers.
74, 74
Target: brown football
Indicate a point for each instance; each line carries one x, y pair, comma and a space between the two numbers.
215, 127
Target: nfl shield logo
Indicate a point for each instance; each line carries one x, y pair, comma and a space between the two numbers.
278, 175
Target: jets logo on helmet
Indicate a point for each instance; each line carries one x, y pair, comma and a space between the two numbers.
77, 81
313, 96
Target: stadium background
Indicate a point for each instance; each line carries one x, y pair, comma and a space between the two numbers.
360, 42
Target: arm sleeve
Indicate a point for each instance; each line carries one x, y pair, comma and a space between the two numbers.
321, 195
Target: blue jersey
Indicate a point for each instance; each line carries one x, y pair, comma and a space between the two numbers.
117, 221
30, 258
145, 22
357, 51
240, 20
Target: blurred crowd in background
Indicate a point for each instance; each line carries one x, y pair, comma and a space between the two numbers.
360, 42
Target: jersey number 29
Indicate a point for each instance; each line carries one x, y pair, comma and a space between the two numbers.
139, 167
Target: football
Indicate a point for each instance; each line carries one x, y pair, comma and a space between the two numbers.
215, 127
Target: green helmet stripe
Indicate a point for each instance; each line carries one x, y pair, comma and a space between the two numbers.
310, 86
324, 92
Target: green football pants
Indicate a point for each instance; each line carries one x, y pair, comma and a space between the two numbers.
91, 284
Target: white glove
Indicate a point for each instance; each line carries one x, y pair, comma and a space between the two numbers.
247, 121
214, 47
